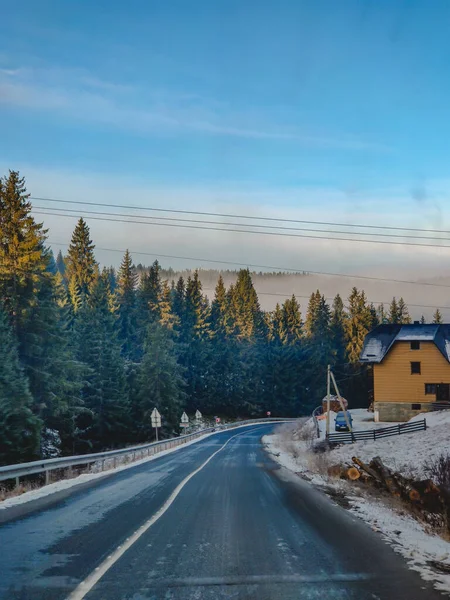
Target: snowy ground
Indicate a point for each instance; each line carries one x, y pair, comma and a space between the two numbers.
408, 453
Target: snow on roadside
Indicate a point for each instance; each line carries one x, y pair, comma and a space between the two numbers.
406, 535
407, 453
65, 484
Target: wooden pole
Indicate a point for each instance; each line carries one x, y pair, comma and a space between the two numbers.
347, 422
328, 400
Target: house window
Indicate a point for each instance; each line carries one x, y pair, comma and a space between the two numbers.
415, 368
430, 388
416, 406
415, 345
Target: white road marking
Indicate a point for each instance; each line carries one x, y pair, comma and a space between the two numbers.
86, 586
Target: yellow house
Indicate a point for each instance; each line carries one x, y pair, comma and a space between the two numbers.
411, 369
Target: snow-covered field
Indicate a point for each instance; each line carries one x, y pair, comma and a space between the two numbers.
407, 453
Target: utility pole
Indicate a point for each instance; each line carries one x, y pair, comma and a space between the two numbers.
341, 403
328, 400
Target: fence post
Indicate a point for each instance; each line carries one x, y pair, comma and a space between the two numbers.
374, 437
425, 424
399, 429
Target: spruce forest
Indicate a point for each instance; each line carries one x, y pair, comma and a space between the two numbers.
86, 352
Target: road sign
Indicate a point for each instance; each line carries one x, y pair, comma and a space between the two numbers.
184, 418
217, 419
268, 413
198, 415
156, 418
156, 421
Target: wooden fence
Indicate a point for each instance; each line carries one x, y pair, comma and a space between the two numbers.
347, 437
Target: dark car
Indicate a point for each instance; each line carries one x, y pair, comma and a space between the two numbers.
340, 423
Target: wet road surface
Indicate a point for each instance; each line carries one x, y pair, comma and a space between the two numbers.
240, 528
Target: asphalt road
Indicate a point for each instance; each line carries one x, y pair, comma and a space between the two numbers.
240, 528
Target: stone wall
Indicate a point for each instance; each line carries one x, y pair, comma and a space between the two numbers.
398, 411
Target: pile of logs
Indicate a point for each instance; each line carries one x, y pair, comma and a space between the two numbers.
423, 494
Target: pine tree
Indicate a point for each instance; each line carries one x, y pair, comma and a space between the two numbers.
60, 264
179, 301
22, 259
29, 289
196, 309
167, 317
393, 312
148, 296
160, 380
357, 324
81, 267
437, 317
403, 313
220, 310
19, 427
373, 317
422, 320
277, 331
292, 321
381, 314
337, 328
127, 313
104, 389
312, 313
245, 310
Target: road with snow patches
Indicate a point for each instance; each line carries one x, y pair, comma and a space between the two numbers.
240, 527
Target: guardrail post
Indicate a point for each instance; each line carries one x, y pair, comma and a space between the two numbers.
103, 464
47, 477
17, 482
115, 462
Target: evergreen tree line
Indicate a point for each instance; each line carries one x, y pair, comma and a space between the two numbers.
87, 353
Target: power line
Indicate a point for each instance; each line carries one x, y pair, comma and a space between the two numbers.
332, 298
271, 233
233, 216
271, 267
179, 219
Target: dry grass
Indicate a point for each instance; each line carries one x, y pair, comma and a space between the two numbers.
22, 488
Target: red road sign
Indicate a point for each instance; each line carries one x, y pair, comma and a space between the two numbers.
268, 413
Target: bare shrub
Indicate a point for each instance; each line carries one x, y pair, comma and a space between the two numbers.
319, 463
439, 469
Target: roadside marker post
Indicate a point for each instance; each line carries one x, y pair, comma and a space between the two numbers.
184, 421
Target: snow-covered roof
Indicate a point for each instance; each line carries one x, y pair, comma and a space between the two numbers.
379, 341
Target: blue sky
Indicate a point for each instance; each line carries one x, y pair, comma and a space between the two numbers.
287, 108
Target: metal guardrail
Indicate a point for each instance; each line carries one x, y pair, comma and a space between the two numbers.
137, 452
347, 437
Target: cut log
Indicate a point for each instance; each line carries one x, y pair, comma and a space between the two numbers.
337, 471
386, 475
366, 468
353, 474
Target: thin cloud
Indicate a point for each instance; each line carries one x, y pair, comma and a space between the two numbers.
83, 96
